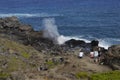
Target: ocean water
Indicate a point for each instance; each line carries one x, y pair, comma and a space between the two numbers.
78, 19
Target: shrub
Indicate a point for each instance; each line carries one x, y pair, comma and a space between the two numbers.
25, 55
4, 75
81, 75
112, 75
50, 64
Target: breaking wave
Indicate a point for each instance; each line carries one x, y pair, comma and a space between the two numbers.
51, 32
105, 42
62, 39
30, 15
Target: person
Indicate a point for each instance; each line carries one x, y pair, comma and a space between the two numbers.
81, 54
99, 54
91, 54
96, 56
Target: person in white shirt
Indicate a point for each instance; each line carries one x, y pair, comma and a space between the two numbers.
81, 54
95, 53
96, 56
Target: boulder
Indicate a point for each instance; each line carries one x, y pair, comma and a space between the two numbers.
75, 43
113, 57
114, 51
94, 43
25, 28
9, 22
12, 19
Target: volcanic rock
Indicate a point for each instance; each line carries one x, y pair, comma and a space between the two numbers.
113, 57
75, 43
25, 28
94, 43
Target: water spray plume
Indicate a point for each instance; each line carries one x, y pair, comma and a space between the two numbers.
50, 29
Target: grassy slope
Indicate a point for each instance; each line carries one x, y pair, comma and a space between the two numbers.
16, 57
111, 75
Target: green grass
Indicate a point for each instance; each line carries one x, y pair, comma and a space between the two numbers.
14, 64
112, 75
4, 75
14, 47
18, 61
50, 64
81, 75
26, 55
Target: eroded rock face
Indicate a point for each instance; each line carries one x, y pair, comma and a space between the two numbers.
114, 51
113, 57
25, 28
12, 28
9, 22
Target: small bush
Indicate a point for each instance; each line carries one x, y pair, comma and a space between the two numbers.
50, 64
14, 64
4, 75
81, 75
25, 55
112, 75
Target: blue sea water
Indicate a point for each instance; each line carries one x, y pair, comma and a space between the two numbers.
83, 19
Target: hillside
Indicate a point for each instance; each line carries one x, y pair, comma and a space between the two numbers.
26, 55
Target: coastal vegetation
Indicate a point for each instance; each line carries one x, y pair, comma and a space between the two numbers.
111, 75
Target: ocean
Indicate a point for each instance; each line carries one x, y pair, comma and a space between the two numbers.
79, 19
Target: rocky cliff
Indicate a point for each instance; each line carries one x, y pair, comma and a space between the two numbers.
26, 55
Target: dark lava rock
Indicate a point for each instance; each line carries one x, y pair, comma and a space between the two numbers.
113, 57
94, 43
75, 43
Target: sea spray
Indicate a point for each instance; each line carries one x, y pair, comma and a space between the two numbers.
51, 32
50, 29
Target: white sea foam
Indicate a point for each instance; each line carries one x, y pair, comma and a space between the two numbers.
107, 42
30, 15
104, 43
62, 39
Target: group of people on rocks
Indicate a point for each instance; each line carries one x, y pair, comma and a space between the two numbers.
95, 54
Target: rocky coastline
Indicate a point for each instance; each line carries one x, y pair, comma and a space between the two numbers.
45, 51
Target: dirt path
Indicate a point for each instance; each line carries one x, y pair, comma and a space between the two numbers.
85, 64
91, 66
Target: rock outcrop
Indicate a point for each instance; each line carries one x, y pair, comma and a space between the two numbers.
112, 57
75, 43
14, 23
23, 33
